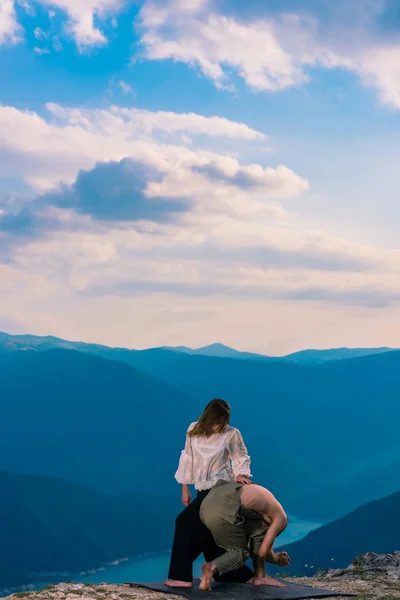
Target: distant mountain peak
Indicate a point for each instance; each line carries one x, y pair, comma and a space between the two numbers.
217, 349
217, 346
313, 355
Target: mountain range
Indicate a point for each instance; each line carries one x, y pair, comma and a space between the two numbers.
373, 527
337, 499
114, 411
52, 529
51, 525
93, 421
302, 357
24, 342
104, 426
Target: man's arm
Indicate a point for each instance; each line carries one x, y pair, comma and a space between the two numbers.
278, 524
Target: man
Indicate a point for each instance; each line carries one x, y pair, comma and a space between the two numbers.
244, 520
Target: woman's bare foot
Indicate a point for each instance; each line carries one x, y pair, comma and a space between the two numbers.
208, 570
266, 580
180, 584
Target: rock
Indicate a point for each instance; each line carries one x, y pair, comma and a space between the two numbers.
368, 565
370, 576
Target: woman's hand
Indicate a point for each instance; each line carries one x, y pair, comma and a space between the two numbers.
243, 479
186, 496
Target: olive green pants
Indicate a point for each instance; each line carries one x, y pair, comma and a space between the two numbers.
236, 529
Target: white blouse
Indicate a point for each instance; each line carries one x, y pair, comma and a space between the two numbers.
204, 460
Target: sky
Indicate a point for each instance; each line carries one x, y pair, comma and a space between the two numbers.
184, 172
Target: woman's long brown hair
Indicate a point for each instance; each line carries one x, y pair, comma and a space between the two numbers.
217, 412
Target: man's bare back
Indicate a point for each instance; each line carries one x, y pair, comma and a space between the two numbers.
262, 501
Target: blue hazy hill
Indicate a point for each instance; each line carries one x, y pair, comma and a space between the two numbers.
309, 356
323, 414
311, 431
332, 501
220, 350
52, 525
373, 527
306, 427
101, 422
89, 420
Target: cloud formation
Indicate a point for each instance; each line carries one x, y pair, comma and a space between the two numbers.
180, 225
83, 16
270, 49
116, 192
279, 182
136, 121
273, 50
110, 193
9, 28
215, 42
56, 148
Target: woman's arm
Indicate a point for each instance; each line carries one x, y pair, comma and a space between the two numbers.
239, 458
184, 474
186, 495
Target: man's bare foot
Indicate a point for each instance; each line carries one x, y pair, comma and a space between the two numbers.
180, 584
266, 580
208, 570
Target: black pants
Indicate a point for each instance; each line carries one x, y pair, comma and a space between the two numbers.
191, 538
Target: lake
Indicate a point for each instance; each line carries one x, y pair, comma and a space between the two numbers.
154, 567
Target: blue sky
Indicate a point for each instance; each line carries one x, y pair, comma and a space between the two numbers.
192, 171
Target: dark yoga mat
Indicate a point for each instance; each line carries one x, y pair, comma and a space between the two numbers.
242, 591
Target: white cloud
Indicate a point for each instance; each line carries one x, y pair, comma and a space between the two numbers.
126, 88
82, 14
379, 68
221, 257
189, 122
215, 42
280, 181
41, 51
141, 321
56, 43
272, 52
40, 34
234, 251
54, 150
9, 28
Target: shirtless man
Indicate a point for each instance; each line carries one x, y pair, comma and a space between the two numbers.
244, 520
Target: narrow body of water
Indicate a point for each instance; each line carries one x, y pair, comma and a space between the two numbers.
154, 567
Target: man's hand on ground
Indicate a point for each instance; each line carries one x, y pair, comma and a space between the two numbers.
282, 559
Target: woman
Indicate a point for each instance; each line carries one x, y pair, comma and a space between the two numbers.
213, 451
